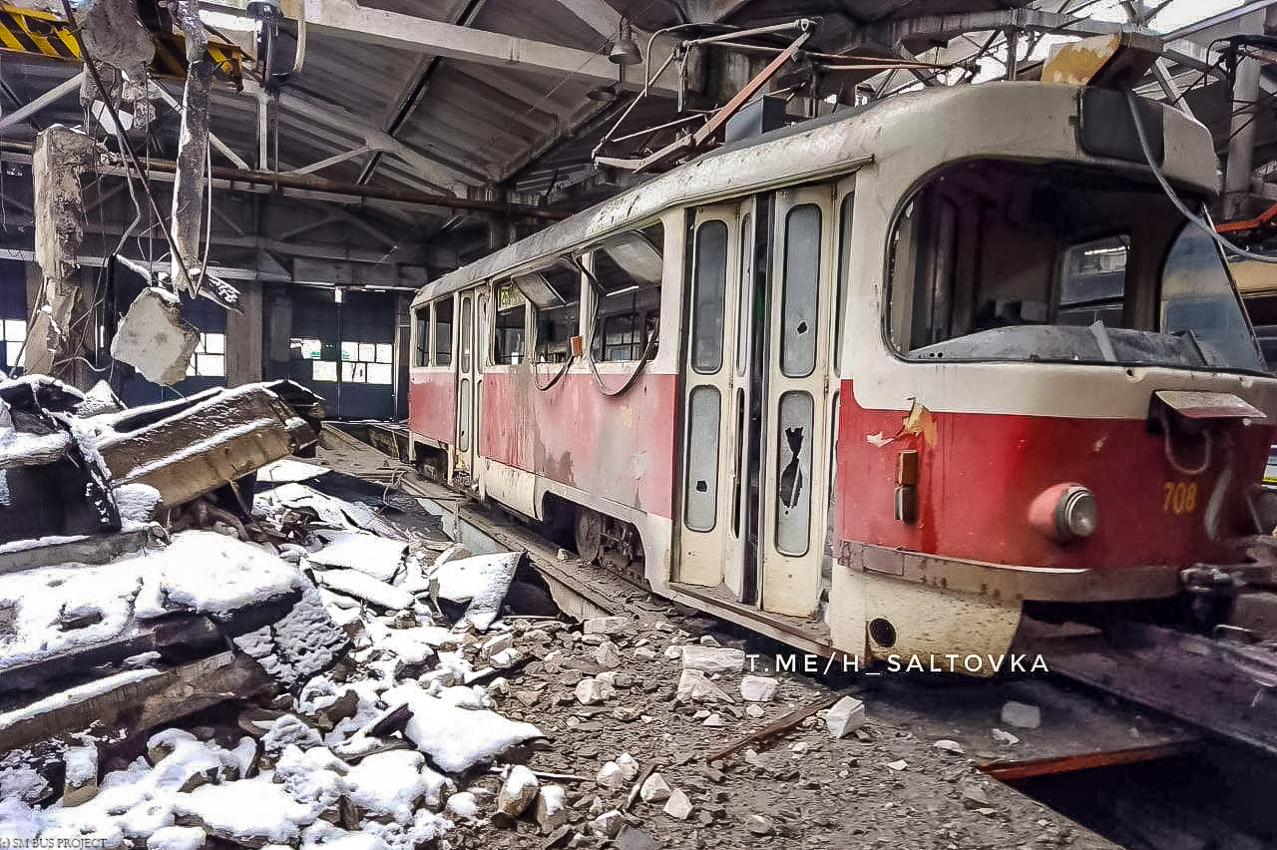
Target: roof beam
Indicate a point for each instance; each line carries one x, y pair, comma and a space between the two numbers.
348, 19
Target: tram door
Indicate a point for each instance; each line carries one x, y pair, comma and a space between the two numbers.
756, 430
472, 334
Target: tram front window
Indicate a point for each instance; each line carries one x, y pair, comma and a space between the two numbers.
996, 260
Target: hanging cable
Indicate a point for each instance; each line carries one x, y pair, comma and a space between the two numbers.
1202, 223
91, 66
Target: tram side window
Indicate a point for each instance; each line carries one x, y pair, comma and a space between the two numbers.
511, 327
421, 331
555, 292
443, 332
627, 276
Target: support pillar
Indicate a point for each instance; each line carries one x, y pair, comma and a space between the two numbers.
1241, 130
244, 355
279, 331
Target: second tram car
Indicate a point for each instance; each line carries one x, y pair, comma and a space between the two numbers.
877, 382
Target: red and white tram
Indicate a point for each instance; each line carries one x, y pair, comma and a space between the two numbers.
874, 383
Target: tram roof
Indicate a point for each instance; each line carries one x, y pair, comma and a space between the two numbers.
819, 148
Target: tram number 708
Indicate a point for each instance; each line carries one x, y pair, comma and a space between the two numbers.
1179, 497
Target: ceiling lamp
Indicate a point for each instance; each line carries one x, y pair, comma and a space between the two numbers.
624, 50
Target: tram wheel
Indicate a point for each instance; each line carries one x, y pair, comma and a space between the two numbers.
589, 534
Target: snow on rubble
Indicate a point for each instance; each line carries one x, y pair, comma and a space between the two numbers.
365, 755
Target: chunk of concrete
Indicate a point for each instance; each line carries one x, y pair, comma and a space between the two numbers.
694, 685
846, 716
552, 808
758, 688
81, 775
713, 659
154, 339
609, 626
594, 691
655, 789
607, 825
608, 655
610, 776
518, 791
678, 805
1021, 715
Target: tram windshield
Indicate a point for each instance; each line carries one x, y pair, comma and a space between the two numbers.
994, 260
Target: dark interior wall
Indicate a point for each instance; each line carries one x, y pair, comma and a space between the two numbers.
344, 351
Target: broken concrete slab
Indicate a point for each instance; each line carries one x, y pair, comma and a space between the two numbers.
552, 809
154, 339
365, 587
678, 805
359, 550
480, 580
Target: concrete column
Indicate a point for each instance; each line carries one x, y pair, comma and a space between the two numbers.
1241, 148
279, 330
244, 355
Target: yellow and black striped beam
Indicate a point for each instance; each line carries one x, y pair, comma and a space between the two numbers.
33, 31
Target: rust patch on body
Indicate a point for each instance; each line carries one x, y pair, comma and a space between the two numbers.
919, 423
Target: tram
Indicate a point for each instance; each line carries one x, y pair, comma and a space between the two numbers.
877, 383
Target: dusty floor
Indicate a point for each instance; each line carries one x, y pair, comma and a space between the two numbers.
809, 789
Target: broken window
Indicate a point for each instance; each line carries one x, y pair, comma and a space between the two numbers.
627, 276
995, 260
709, 293
443, 331
209, 359
421, 337
511, 328
13, 332
799, 297
793, 473
555, 292
700, 497
367, 363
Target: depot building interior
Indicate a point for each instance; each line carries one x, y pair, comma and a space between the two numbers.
234, 231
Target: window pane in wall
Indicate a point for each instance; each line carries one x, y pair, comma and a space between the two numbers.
350, 351
381, 373
210, 365
307, 349
385, 353
214, 343
799, 300
367, 352
16, 355
323, 370
709, 288
15, 330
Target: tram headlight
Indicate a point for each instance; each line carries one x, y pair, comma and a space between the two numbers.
1064, 512
1075, 514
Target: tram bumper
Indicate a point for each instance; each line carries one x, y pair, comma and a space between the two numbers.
914, 608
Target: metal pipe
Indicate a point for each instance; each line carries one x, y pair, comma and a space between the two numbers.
56, 93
